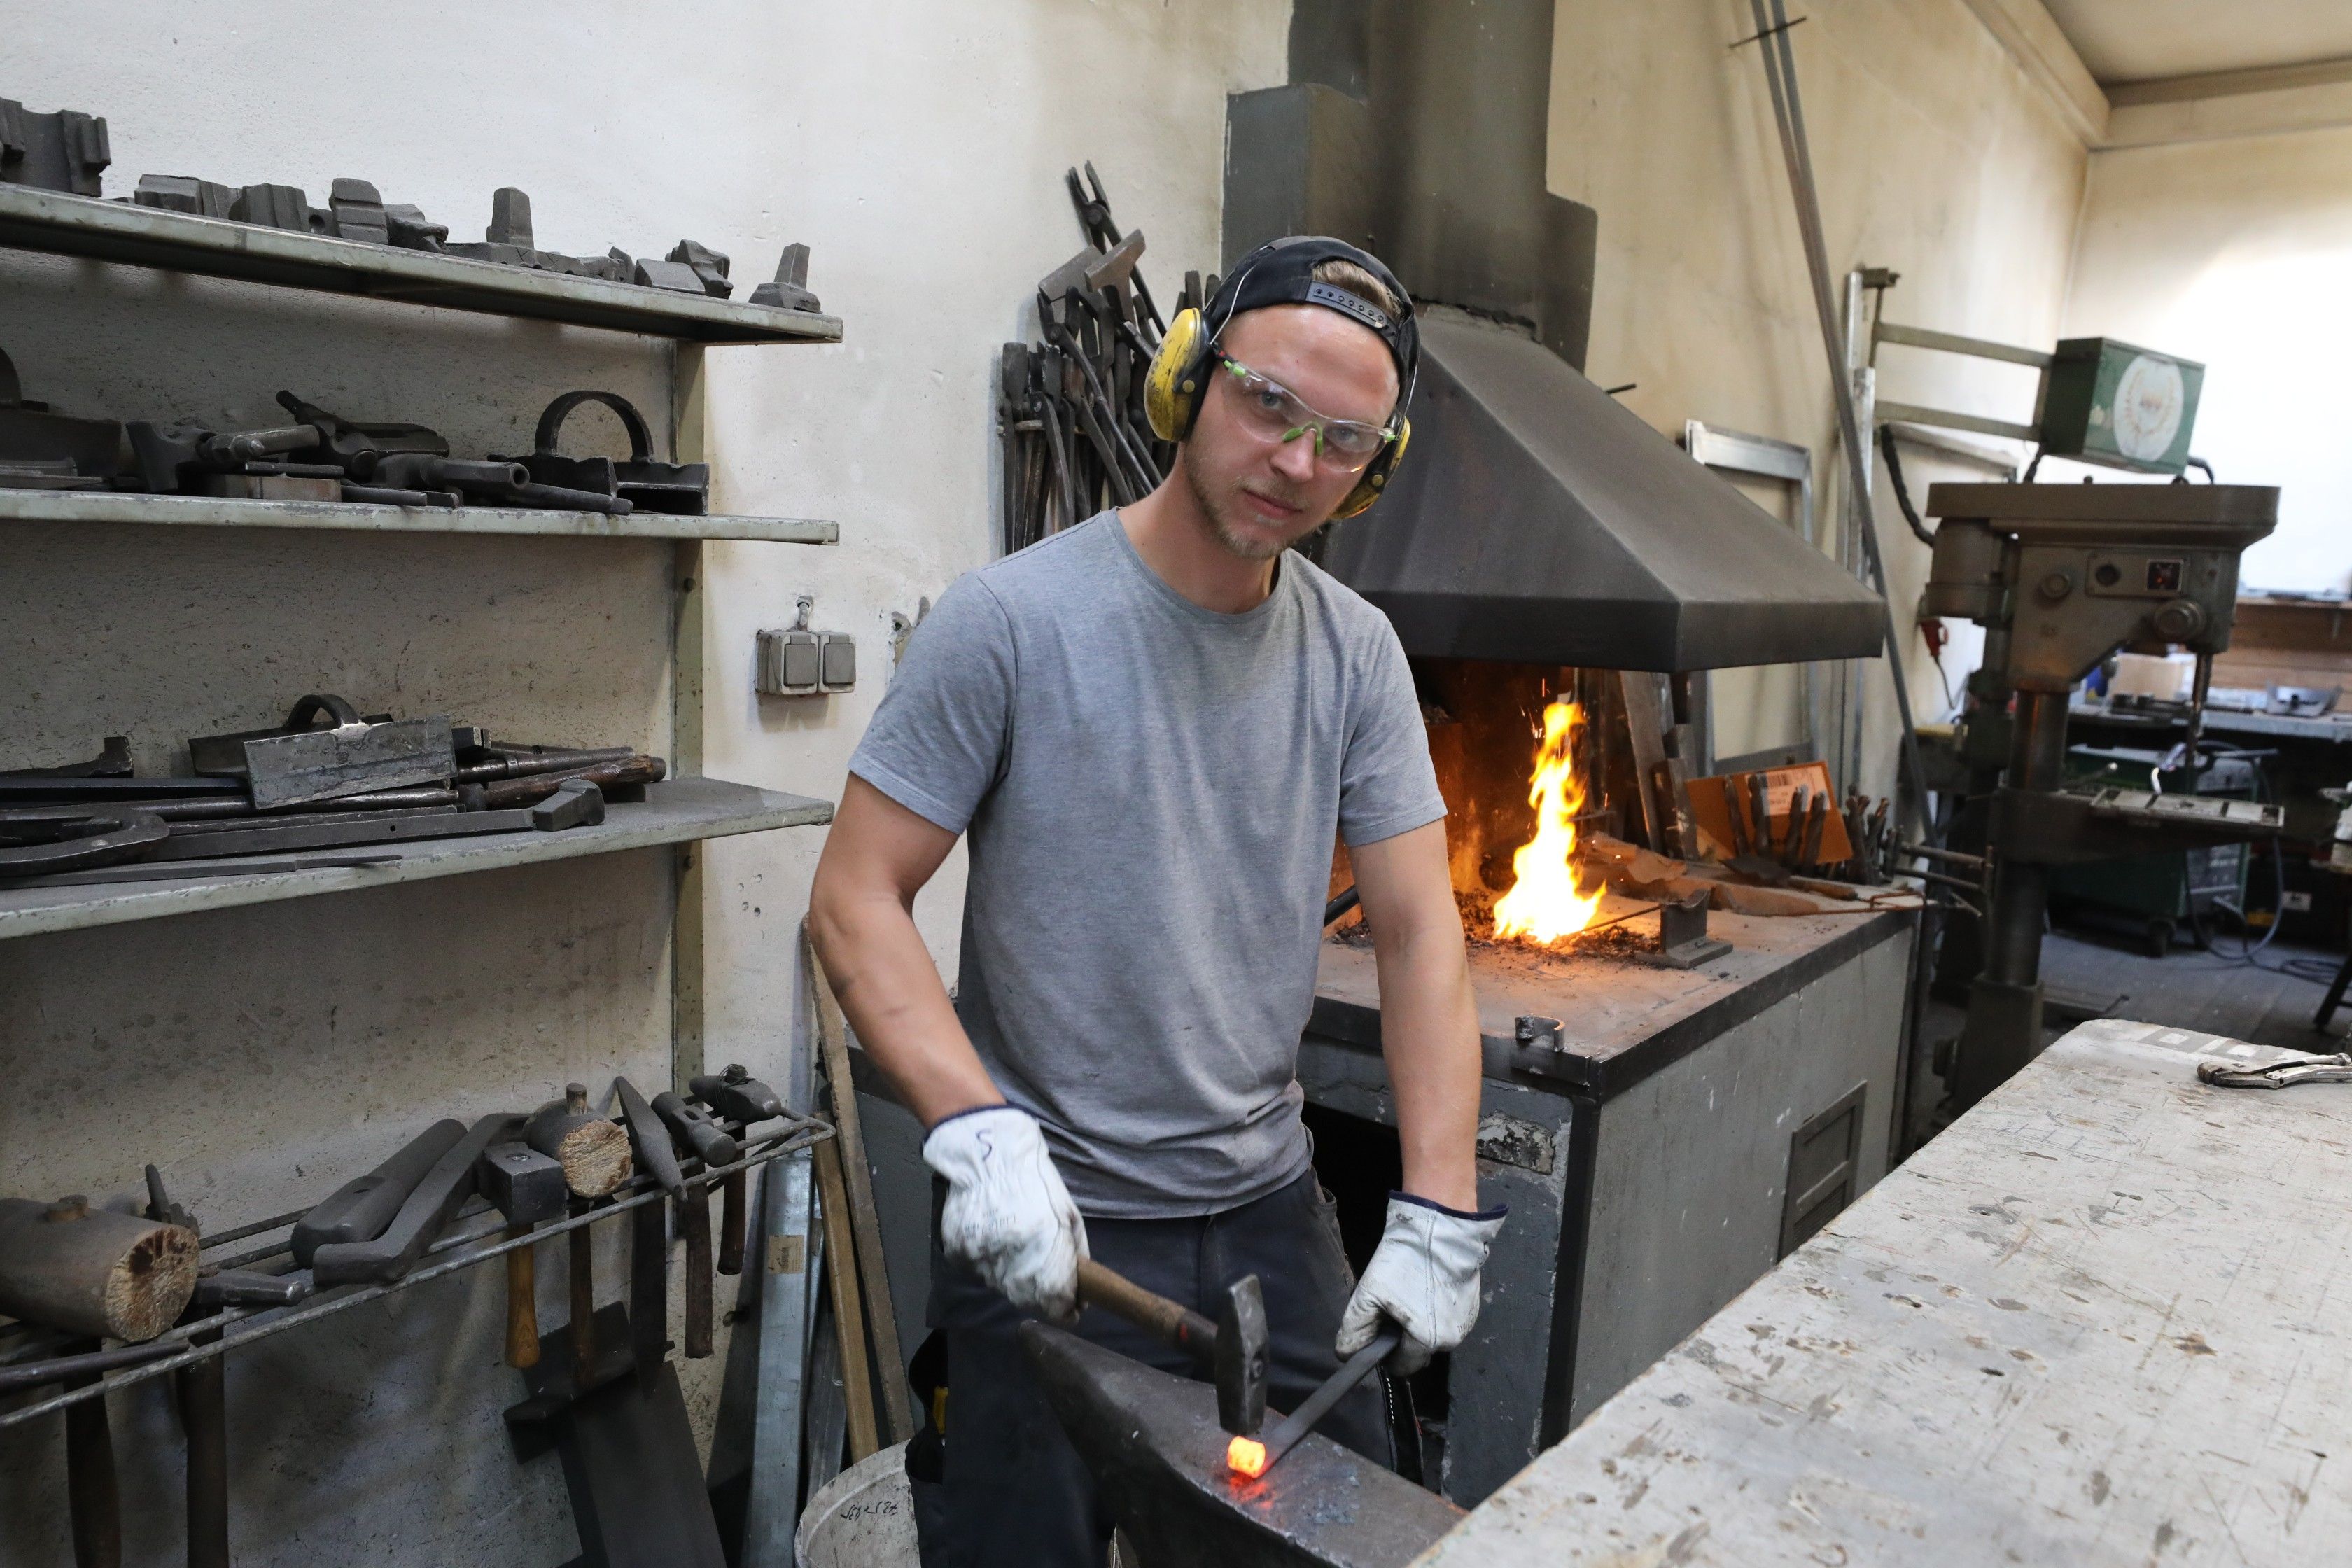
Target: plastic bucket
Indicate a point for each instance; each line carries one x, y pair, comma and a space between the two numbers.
863, 1518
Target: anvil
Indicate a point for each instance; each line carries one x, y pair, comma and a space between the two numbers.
1155, 1447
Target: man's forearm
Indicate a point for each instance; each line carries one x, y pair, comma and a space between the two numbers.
1429, 1034
891, 992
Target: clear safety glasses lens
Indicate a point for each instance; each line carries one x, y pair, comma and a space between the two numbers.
1276, 413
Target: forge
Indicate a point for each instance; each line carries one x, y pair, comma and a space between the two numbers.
1664, 1134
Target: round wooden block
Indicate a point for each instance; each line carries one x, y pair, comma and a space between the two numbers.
595, 1157
93, 1271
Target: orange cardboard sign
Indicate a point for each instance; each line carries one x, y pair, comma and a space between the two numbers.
1712, 801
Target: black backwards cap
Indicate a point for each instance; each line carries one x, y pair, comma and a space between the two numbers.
1282, 272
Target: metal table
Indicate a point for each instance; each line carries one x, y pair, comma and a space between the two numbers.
2097, 1321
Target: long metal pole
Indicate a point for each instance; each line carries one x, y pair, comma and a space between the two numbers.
1780, 72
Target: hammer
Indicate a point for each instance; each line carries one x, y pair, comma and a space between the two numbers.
527, 1187
1234, 1347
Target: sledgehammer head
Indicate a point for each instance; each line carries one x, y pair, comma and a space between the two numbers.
1241, 1357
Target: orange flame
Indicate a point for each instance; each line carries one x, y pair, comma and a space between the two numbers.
1544, 903
1245, 1456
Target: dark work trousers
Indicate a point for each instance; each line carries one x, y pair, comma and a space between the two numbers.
1015, 1491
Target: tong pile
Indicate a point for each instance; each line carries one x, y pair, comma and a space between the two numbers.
1070, 409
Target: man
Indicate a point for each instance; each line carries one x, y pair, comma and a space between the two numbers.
1151, 726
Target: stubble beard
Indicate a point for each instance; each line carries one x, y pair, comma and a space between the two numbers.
1220, 510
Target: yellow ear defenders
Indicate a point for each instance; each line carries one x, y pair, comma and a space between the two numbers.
1179, 376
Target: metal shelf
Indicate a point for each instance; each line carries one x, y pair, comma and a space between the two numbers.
98, 230
462, 1247
360, 517
676, 811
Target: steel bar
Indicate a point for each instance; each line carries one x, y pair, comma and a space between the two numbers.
1787, 107
1284, 1435
243, 1329
782, 1260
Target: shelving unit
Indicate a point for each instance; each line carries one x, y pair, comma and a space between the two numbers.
356, 517
464, 1245
95, 230
678, 812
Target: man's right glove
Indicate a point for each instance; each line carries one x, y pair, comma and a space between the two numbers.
1007, 1213
1423, 1277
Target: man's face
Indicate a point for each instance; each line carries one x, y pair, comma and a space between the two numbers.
1260, 492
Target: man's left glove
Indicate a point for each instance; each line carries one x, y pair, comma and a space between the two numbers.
1423, 1275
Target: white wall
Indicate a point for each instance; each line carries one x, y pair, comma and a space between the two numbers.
1935, 156
2238, 254
264, 1055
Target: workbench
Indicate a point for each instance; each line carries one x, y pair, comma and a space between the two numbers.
2098, 1320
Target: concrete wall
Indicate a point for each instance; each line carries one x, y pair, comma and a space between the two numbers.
2235, 253
262, 1056
1935, 156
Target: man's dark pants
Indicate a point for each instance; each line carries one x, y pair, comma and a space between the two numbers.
1015, 1491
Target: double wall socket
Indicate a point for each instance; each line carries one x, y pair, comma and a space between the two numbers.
798, 662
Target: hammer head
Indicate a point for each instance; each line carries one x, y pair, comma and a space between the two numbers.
522, 1183
1240, 1359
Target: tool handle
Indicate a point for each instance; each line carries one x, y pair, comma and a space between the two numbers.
584, 1302
694, 1220
537, 787
522, 1302
1284, 1434
1178, 1324
731, 1221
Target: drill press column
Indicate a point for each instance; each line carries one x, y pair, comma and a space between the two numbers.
2061, 576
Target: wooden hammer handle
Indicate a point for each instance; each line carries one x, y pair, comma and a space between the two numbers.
1178, 1325
522, 1302
694, 1221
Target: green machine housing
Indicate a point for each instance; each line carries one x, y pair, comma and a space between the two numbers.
2113, 403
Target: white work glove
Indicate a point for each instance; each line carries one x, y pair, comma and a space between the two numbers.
1423, 1277
1007, 1213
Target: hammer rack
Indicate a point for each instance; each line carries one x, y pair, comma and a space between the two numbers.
463, 1247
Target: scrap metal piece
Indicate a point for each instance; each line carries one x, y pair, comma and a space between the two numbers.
184, 194
510, 218
680, 488
113, 760
277, 207
673, 275
295, 763
411, 230
1155, 1448
789, 290
40, 838
65, 150
37, 440
708, 264
2336, 1068
178, 458
359, 212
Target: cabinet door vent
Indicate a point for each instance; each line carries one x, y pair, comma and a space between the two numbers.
1821, 1169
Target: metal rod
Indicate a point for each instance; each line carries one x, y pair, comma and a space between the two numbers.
241, 1329
1780, 72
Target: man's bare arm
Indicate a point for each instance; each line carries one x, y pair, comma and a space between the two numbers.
1429, 1026
862, 918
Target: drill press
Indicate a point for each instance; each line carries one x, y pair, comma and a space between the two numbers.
2061, 576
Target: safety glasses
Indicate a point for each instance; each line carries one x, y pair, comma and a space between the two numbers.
1278, 414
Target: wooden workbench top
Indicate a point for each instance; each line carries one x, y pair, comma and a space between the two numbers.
2100, 1321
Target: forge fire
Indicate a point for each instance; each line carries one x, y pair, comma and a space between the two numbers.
1547, 902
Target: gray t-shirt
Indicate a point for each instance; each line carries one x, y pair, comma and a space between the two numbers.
1152, 790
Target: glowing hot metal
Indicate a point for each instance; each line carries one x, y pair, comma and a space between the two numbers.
1245, 1456
1545, 904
